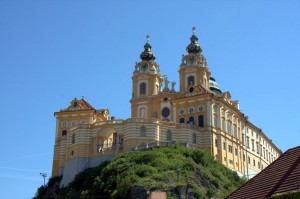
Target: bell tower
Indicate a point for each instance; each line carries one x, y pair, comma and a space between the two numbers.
193, 68
146, 83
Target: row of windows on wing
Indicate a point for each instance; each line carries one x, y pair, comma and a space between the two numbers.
266, 153
223, 114
226, 126
143, 133
229, 148
191, 120
73, 123
263, 146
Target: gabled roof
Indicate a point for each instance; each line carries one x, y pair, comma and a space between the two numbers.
81, 104
86, 104
282, 176
202, 89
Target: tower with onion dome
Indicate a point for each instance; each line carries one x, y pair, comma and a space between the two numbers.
193, 68
146, 82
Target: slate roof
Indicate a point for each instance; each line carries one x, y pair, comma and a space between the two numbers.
281, 176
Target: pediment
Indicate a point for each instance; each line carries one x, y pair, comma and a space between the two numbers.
81, 104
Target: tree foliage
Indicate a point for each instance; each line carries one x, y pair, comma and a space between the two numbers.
167, 169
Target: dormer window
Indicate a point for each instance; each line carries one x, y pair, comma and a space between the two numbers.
75, 104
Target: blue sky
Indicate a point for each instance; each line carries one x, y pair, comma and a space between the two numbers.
54, 51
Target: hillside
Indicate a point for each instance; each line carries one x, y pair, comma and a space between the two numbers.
137, 173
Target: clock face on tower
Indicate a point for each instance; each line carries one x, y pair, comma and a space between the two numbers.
191, 59
145, 67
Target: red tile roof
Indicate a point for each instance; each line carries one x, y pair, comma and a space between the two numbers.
86, 104
281, 176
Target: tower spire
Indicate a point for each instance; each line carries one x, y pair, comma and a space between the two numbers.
147, 54
194, 47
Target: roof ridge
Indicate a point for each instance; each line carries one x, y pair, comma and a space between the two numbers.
289, 171
270, 168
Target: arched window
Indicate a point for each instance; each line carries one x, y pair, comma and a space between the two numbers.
194, 138
143, 88
169, 135
181, 120
64, 132
191, 80
143, 131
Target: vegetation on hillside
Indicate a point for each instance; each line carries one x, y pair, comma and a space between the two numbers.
137, 173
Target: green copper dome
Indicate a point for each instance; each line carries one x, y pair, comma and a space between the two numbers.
147, 54
214, 86
194, 47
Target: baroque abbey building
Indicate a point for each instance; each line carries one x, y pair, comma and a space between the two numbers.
199, 115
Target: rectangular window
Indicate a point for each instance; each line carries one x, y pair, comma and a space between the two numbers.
229, 127
236, 151
216, 121
243, 139
223, 124
252, 145
230, 148
216, 142
234, 131
224, 146
248, 145
201, 120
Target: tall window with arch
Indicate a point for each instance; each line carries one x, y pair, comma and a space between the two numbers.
143, 88
64, 132
201, 120
191, 120
143, 131
191, 80
169, 135
181, 120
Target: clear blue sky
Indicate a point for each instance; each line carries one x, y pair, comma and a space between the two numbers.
53, 51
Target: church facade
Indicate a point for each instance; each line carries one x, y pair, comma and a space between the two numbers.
199, 115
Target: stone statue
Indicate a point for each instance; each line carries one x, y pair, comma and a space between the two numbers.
166, 82
173, 84
136, 66
182, 59
158, 69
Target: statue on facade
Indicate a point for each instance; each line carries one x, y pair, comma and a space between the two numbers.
173, 84
136, 67
166, 83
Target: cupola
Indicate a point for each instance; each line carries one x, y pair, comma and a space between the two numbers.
194, 47
214, 86
147, 54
